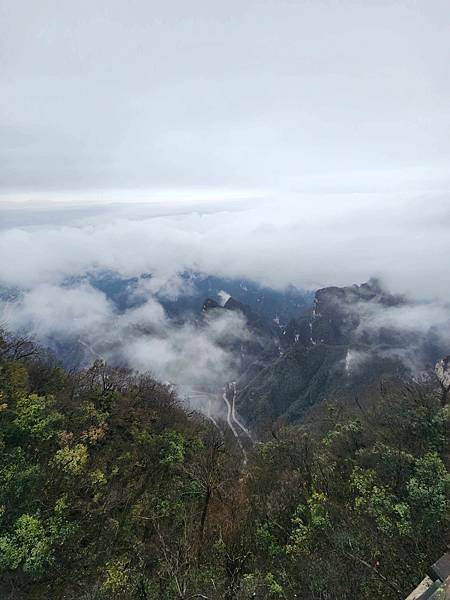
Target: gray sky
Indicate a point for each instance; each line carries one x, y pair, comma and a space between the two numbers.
243, 94
303, 142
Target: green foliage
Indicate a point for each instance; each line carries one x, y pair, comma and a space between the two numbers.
13, 379
18, 476
27, 546
428, 490
344, 433
117, 576
310, 521
377, 501
173, 448
267, 541
36, 417
32, 541
110, 490
72, 461
274, 588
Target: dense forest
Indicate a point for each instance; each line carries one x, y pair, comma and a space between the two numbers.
110, 488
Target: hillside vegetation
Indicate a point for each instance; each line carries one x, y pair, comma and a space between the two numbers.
110, 489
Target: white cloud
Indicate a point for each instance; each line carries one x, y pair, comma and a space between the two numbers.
48, 310
311, 241
194, 356
224, 94
417, 319
308, 240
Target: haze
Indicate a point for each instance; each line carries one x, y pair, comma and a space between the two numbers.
286, 95
284, 142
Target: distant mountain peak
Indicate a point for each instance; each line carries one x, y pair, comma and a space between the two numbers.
232, 304
209, 304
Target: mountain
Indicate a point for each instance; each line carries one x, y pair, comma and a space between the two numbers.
339, 348
277, 306
335, 314
297, 350
262, 343
182, 299
185, 293
259, 322
112, 486
111, 489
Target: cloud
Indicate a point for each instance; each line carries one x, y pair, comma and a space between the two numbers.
50, 310
415, 319
416, 333
196, 356
292, 147
307, 240
251, 93
310, 241
355, 360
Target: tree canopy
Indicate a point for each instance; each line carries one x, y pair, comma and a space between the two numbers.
110, 488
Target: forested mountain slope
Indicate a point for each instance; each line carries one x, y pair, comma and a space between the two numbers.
109, 489
348, 341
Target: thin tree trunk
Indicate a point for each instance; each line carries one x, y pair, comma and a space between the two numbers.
203, 521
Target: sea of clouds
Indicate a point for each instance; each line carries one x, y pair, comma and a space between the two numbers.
310, 241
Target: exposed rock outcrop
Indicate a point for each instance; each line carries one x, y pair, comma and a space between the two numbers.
442, 370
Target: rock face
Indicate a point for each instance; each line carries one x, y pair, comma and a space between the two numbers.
335, 315
209, 304
256, 322
337, 347
442, 370
233, 305
268, 304
341, 345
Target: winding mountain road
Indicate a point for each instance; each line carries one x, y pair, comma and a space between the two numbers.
237, 428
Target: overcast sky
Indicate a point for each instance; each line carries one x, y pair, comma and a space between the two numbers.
238, 94
285, 141
303, 142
